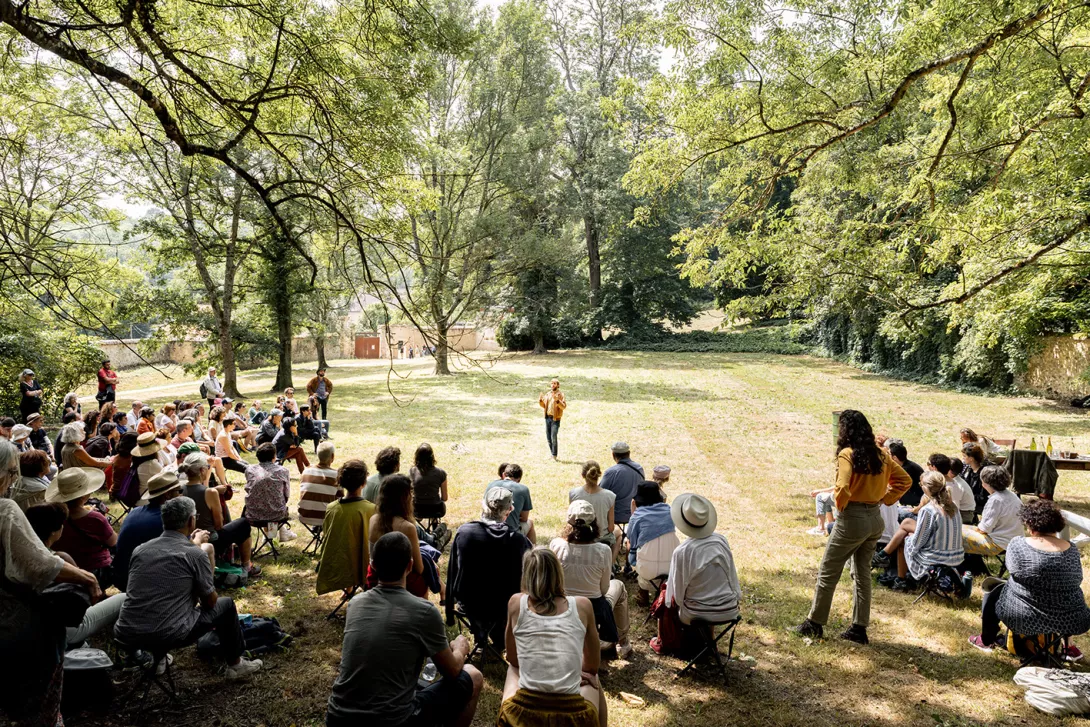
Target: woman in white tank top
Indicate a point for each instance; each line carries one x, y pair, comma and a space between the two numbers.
552, 650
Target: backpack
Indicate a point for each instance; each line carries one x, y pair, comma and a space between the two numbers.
129, 490
204, 389
259, 636
230, 576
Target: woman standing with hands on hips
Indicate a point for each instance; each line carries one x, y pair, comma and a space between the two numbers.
866, 476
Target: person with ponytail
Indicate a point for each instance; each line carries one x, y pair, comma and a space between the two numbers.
866, 477
934, 538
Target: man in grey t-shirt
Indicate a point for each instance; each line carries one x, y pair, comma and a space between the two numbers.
387, 635
519, 520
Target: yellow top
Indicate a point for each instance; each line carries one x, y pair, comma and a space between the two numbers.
885, 487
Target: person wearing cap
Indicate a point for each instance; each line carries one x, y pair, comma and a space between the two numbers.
171, 599
287, 445
519, 519
652, 539
20, 437
33, 480
485, 567
107, 384
321, 388
554, 404
622, 479
603, 501
661, 475
30, 395
72, 452
702, 583
270, 427
587, 567
145, 523
39, 437
346, 549
88, 535
212, 388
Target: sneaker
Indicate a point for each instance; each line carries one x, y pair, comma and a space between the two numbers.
887, 579
880, 560
816, 530
655, 644
161, 667
244, 668
856, 633
978, 643
1073, 653
254, 570
623, 650
286, 535
809, 628
903, 585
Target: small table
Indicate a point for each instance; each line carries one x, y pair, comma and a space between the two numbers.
1079, 464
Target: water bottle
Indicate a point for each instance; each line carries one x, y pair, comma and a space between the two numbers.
430, 672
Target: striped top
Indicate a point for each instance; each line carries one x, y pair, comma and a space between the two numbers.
937, 541
318, 488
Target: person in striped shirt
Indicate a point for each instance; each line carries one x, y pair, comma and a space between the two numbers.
934, 538
318, 488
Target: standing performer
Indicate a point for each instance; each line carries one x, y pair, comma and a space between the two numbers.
866, 476
554, 404
321, 387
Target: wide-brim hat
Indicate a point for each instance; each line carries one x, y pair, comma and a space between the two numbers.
694, 515
73, 483
31, 418
20, 432
162, 483
146, 444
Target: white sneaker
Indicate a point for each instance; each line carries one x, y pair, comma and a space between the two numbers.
816, 530
623, 650
244, 668
286, 535
161, 667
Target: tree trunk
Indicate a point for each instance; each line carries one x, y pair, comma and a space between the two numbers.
539, 343
319, 347
230, 268
594, 259
442, 351
281, 301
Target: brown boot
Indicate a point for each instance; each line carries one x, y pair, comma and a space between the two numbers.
643, 598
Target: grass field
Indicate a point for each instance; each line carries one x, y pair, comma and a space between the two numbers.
752, 432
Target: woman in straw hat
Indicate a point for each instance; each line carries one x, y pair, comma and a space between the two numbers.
88, 535
31, 670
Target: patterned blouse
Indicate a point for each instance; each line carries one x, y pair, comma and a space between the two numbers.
1044, 593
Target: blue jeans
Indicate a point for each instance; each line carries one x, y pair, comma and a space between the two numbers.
552, 428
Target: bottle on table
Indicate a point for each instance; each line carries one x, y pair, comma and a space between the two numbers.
1048, 447
1033, 443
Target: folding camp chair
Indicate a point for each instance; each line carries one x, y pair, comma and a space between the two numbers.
1047, 650
480, 629
315, 544
149, 675
931, 585
345, 598
709, 652
266, 543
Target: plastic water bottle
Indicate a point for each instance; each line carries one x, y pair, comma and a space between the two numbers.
430, 672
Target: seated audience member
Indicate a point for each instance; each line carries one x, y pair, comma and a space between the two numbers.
394, 513
968, 436
287, 445
145, 523
245, 436
824, 511
171, 601
225, 448
603, 502
68, 418
345, 554
972, 456
103, 444
147, 421
429, 485
485, 567
122, 461
932, 538
587, 567
387, 462
255, 415
289, 405
32, 484
309, 430
268, 488
652, 540
120, 421
167, 419
661, 476
48, 521
270, 427
702, 583
88, 535
960, 490
132, 417
318, 487
167, 455
39, 437
519, 519
1000, 522
553, 652
899, 453
622, 479
145, 459
90, 425
1043, 594
20, 437
212, 512
72, 452
182, 433
388, 634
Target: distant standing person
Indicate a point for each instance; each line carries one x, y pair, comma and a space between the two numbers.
554, 404
321, 387
107, 384
211, 388
30, 395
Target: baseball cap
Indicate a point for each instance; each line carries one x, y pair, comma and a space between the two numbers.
580, 513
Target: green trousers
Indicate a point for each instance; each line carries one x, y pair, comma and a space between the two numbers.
854, 536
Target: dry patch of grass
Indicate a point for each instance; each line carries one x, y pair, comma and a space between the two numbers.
754, 433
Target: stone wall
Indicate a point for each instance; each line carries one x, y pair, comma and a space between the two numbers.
122, 352
1058, 371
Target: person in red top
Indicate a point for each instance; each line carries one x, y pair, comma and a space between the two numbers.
87, 536
107, 384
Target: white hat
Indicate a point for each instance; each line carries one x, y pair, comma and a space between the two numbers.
20, 432
73, 483
694, 515
580, 513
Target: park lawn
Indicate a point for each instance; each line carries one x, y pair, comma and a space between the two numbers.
752, 432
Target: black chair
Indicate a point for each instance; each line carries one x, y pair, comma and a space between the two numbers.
480, 629
1002, 558
345, 598
266, 545
941, 581
709, 651
1047, 650
315, 543
149, 675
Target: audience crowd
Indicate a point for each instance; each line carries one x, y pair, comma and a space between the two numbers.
555, 609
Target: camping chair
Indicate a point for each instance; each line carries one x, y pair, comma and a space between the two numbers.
345, 598
266, 543
315, 539
1002, 558
480, 629
149, 675
1048, 650
116, 519
709, 651
933, 585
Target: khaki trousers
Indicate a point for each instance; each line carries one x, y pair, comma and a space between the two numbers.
854, 536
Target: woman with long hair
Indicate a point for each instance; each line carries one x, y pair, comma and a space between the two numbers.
866, 477
933, 538
429, 484
225, 448
553, 653
395, 514
122, 462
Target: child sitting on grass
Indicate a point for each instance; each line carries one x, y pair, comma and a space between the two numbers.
823, 509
